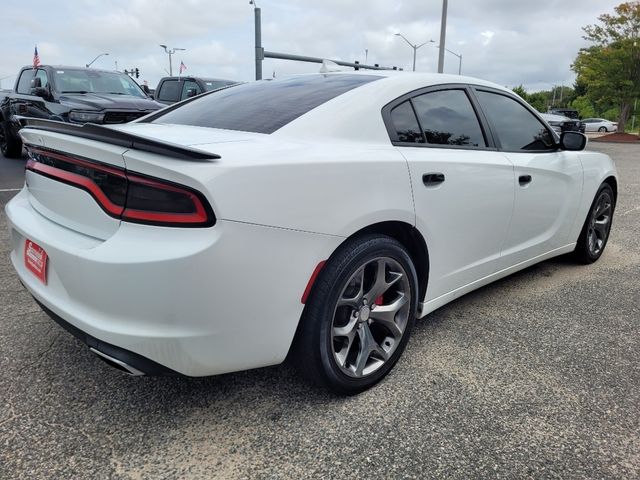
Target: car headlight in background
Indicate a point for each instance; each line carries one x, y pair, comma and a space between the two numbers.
86, 117
555, 124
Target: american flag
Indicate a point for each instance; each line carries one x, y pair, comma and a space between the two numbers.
36, 58
183, 67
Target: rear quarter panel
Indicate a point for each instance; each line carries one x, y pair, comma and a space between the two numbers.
333, 189
597, 168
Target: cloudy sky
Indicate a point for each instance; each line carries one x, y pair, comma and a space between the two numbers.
507, 41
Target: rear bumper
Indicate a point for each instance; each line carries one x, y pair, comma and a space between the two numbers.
138, 362
194, 301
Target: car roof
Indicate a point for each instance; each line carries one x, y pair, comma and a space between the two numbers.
73, 67
355, 116
417, 79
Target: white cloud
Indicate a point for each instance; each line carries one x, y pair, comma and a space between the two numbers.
488, 35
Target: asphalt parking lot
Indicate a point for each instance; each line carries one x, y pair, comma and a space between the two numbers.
535, 376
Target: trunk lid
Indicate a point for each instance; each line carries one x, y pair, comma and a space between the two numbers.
172, 159
65, 204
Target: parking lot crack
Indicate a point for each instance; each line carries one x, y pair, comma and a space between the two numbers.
42, 354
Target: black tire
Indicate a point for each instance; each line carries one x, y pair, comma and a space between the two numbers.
10, 146
593, 240
603, 129
355, 265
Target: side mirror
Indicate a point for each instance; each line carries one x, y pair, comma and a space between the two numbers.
573, 141
37, 89
40, 92
191, 92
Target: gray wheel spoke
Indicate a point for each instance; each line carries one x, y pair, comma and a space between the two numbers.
380, 284
354, 302
368, 346
348, 329
386, 315
602, 208
601, 228
344, 351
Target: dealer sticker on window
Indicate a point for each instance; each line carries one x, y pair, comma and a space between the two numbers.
35, 259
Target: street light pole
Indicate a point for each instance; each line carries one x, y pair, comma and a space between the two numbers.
415, 47
170, 52
91, 62
259, 51
443, 35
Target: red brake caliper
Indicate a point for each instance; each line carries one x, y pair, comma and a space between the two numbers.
378, 300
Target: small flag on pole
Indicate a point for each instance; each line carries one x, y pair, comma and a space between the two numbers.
183, 67
36, 58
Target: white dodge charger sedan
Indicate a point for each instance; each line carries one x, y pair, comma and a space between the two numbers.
316, 216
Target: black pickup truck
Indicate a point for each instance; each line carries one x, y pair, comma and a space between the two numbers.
175, 89
575, 122
69, 94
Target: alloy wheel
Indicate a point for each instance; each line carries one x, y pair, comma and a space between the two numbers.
370, 317
599, 223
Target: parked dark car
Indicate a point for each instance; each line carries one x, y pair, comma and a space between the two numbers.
175, 89
69, 94
576, 124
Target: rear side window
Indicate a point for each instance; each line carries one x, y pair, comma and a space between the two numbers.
517, 128
405, 123
189, 85
24, 84
214, 84
447, 118
169, 91
263, 107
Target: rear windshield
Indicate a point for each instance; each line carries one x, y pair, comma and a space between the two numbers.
263, 107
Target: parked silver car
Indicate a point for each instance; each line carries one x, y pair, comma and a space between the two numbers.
600, 125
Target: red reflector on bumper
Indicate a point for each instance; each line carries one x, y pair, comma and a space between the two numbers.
311, 281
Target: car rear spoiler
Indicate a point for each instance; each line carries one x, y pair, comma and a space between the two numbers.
112, 136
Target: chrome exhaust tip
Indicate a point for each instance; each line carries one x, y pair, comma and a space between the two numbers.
118, 364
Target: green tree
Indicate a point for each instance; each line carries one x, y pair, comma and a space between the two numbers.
519, 90
584, 107
540, 101
610, 68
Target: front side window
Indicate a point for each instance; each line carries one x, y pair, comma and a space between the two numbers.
447, 118
169, 91
405, 124
24, 84
517, 128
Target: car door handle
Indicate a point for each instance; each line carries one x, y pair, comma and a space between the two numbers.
524, 179
432, 179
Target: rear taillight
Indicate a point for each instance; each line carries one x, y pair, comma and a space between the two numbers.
129, 196
157, 202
